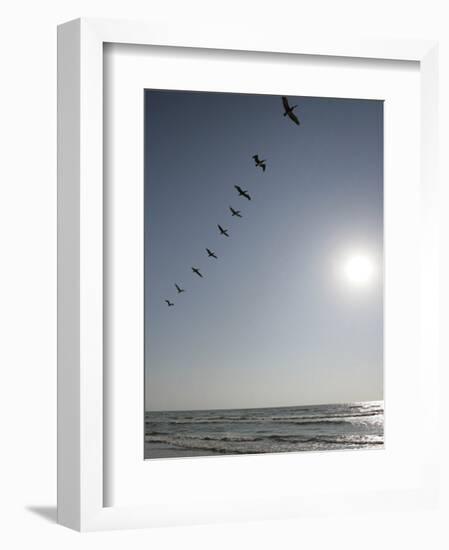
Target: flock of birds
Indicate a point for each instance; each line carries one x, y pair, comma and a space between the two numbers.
259, 163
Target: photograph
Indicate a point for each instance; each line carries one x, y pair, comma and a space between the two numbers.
263, 273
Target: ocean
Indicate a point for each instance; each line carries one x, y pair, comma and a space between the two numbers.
358, 425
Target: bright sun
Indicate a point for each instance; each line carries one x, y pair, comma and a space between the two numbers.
359, 270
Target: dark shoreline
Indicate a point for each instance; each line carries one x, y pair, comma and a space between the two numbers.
159, 450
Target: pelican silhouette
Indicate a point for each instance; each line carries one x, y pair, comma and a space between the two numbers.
242, 193
223, 231
169, 303
197, 271
211, 254
179, 289
258, 162
235, 212
289, 110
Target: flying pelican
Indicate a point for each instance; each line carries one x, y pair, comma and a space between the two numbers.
169, 303
235, 212
223, 231
289, 110
258, 162
179, 289
242, 193
211, 254
197, 271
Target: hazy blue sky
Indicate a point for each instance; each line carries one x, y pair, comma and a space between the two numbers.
273, 322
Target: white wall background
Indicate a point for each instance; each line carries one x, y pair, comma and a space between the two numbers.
28, 269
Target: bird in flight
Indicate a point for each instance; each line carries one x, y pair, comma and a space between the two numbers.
179, 289
235, 212
289, 110
169, 303
197, 271
223, 231
258, 162
211, 254
242, 193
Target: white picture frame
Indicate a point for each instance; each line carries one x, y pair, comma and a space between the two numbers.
81, 406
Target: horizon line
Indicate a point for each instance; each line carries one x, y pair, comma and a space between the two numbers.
271, 407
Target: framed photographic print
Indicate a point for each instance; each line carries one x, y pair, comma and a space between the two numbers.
247, 276
268, 332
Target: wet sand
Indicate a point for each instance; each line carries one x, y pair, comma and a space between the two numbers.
159, 450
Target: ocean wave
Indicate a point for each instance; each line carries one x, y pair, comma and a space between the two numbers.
297, 419
272, 443
268, 430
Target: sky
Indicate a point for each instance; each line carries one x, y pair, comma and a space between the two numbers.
274, 322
